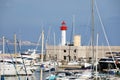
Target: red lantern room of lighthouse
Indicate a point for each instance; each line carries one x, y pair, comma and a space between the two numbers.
63, 29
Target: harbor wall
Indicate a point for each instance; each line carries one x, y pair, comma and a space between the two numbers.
77, 52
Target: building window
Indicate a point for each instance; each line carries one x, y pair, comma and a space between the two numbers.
75, 58
75, 51
64, 51
64, 57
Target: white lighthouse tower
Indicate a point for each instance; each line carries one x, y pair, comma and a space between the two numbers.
63, 29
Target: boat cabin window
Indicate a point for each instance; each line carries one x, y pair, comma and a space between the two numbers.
64, 74
106, 59
110, 59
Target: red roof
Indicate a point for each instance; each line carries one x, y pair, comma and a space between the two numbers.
63, 27
63, 23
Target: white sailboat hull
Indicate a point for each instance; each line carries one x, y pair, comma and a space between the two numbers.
12, 70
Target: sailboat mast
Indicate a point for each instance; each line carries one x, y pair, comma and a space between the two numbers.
15, 41
3, 44
42, 46
73, 28
97, 55
92, 27
41, 71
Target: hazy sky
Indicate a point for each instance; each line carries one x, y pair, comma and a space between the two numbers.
27, 17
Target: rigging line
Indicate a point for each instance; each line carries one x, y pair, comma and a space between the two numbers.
22, 58
72, 31
103, 28
47, 38
71, 35
86, 32
38, 43
13, 62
